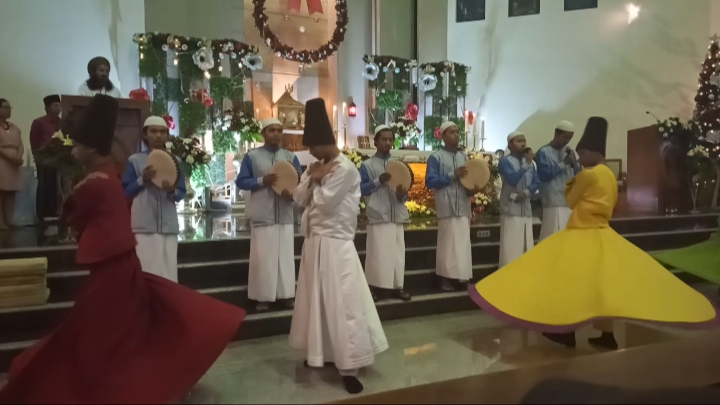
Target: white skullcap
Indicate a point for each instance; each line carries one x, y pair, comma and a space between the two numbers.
155, 121
566, 126
381, 128
447, 124
270, 121
514, 135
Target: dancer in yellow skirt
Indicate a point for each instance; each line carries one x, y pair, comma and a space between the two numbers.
587, 272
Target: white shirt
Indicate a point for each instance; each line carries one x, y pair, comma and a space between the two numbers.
331, 208
84, 90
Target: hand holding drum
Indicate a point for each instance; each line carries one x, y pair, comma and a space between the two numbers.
478, 175
166, 168
287, 178
401, 177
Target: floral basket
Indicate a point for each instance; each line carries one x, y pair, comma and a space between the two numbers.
58, 154
487, 201
355, 156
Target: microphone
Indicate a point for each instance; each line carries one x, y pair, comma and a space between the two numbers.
653, 115
568, 151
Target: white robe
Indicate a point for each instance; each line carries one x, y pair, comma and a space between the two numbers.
385, 256
272, 263
516, 237
158, 254
554, 219
454, 253
335, 319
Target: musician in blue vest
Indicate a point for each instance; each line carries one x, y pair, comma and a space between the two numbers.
272, 246
445, 168
387, 214
519, 182
556, 165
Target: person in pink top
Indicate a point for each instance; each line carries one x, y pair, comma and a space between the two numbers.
11, 158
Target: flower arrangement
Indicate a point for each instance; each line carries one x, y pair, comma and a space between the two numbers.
189, 151
58, 154
487, 201
418, 210
355, 156
406, 130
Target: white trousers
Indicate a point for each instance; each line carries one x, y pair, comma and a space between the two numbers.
385, 258
454, 253
158, 254
272, 263
554, 219
516, 237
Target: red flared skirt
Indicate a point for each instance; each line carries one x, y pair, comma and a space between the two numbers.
131, 337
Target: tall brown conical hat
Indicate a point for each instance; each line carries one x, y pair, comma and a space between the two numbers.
594, 138
96, 126
318, 130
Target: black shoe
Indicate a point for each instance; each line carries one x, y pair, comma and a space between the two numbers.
565, 339
262, 306
605, 341
402, 295
352, 385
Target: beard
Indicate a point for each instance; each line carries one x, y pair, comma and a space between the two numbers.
95, 83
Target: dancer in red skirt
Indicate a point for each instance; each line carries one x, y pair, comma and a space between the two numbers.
131, 337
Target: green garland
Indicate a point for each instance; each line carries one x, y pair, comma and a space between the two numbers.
193, 118
224, 142
227, 87
458, 78
389, 100
434, 121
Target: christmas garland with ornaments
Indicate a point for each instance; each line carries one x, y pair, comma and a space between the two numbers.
305, 56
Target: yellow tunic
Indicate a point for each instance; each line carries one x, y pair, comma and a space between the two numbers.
589, 272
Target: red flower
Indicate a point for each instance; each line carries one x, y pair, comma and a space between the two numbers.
207, 100
139, 94
438, 134
170, 121
411, 111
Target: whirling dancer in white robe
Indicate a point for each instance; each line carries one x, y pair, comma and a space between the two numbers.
335, 320
452, 203
272, 245
556, 165
386, 212
519, 183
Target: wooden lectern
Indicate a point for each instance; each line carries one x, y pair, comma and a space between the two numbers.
131, 118
657, 175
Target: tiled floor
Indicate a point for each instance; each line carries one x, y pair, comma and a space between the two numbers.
422, 350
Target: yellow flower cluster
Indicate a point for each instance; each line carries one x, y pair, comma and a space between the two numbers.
418, 209
65, 139
482, 199
354, 156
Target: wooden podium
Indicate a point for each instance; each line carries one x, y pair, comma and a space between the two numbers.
657, 175
131, 118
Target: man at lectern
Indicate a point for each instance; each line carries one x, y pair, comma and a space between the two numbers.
99, 81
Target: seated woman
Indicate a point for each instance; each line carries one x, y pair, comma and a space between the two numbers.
131, 337
588, 272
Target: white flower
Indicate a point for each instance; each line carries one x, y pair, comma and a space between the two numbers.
428, 82
662, 129
190, 160
371, 71
253, 61
168, 145
203, 58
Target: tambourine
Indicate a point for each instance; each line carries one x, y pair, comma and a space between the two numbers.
166, 168
400, 174
478, 174
287, 176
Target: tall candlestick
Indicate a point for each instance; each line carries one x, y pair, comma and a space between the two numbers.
482, 134
335, 118
344, 114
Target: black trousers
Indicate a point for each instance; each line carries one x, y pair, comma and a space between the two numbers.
46, 198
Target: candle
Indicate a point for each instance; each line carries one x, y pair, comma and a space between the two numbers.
344, 114
482, 129
335, 118
475, 133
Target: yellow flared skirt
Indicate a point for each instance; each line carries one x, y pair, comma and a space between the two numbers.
578, 276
